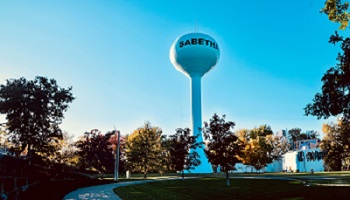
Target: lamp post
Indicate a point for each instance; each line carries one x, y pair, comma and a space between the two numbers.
116, 165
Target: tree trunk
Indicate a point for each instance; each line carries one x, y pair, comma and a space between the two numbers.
228, 179
144, 175
183, 175
29, 154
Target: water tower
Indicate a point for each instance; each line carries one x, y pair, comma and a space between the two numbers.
194, 54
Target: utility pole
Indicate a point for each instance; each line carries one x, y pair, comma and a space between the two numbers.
116, 165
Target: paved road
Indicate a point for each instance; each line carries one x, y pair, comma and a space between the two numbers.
105, 191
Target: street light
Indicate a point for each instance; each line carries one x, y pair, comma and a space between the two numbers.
116, 165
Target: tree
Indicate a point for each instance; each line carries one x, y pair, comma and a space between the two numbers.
223, 147
337, 12
334, 99
67, 151
261, 131
336, 144
180, 144
95, 151
144, 149
312, 134
259, 146
34, 110
294, 135
3, 138
279, 146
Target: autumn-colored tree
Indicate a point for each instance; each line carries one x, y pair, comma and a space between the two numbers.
261, 146
143, 149
337, 12
3, 138
336, 144
258, 151
67, 151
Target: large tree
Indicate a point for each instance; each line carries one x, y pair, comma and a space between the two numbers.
34, 110
258, 151
336, 144
96, 152
261, 146
182, 152
143, 149
334, 99
223, 147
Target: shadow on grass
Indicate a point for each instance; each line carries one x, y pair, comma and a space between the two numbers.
58, 189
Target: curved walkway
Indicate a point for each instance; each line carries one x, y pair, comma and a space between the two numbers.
106, 191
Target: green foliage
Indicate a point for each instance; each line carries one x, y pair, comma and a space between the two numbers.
182, 150
96, 152
336, 145
144, 152
34, 109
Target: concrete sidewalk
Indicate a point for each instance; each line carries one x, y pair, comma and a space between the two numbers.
106, 191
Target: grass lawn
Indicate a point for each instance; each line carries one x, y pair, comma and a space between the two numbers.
215, 188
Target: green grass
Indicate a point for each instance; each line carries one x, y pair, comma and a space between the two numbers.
215, 188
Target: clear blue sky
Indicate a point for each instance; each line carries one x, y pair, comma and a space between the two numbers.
115, 55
